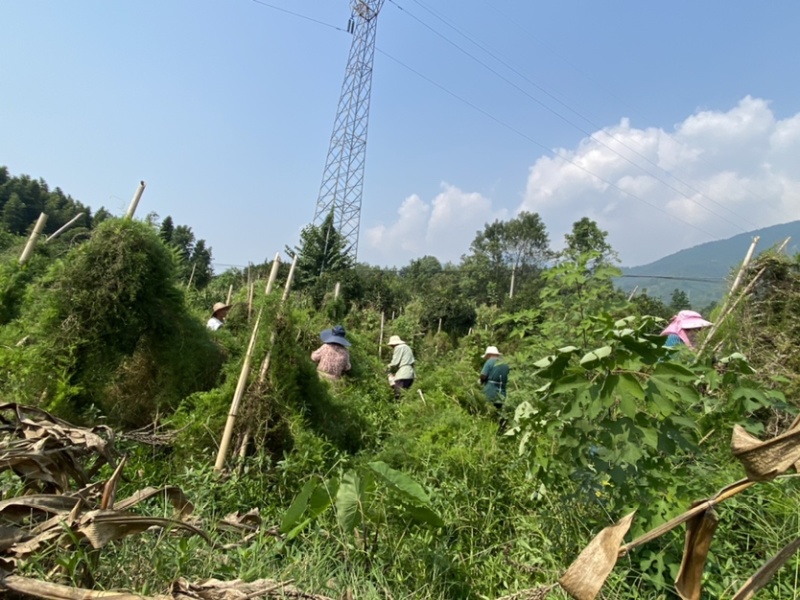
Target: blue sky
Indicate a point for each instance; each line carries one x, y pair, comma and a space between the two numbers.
671, 124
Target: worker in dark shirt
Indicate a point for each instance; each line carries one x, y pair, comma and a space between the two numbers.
494, 376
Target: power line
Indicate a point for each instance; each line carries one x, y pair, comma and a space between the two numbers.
510, 127
698, 279
294, 14
561, 116
549, 47
545, 148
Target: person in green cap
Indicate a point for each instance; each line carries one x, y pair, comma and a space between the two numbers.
494, 377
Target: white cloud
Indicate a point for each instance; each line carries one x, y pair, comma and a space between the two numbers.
728, 172
443, 228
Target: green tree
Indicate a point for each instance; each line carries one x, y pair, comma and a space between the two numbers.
14, 218
506, 250
201, 264
322, 249
167, 229
679, 301
586, 237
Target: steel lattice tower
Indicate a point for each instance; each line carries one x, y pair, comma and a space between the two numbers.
343, 177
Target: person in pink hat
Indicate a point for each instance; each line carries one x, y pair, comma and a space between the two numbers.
683, 328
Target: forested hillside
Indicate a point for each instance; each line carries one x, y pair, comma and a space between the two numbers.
336, 489
702, 272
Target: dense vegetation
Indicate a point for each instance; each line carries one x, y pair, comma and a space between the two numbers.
438, 495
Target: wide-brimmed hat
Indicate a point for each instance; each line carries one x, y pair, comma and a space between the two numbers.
335, 335
395, 341
692, 320
218, 307
491, 350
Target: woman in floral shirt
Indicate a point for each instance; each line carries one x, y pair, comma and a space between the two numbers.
332, 358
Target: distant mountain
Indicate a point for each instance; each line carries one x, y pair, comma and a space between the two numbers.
706, 268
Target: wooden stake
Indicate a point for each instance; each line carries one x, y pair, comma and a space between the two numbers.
191, 277
37, 230
633, 293
64, 227
237, 398
745, 262
438, 331
250, 291
262, 373
273, 274
135, 201
336, 290
380, 338
230, 295
728, 311
288, 285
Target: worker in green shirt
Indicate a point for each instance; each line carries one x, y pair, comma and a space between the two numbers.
401, 367
494, 376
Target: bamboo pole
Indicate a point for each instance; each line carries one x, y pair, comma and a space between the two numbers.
745, 262
633, 293
336, 290
37, 230
250, 292
273, 274
135, 201
262, 372
230, 295
728, 310
237, 398
380, 338
64, 227
191, 277
289, 279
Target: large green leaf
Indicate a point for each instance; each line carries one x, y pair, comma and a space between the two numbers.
424, 514
351, 499
630, 386
593, 358
317, 502
298, 506
401, 483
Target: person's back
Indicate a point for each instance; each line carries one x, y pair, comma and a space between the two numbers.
402, 365
333, 357
494, 376
496, 371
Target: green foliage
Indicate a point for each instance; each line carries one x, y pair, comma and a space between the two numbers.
110, 319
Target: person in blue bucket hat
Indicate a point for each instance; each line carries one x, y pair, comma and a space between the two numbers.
333, 357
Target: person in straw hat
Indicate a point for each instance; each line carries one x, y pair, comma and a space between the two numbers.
683, 328
494, 376
218, 314
333, 357
402, 365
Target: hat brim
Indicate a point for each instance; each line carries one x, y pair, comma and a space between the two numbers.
491, 354
221, 308
695, 323
327, 337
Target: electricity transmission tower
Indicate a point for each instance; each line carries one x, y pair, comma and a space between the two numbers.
343, 177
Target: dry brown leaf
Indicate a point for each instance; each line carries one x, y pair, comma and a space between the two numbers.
39, 505
102, 527
765, 460
10, 536
761, 577
587, 574
725, 493
214, 589
34, 588
173, 493
699, 533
